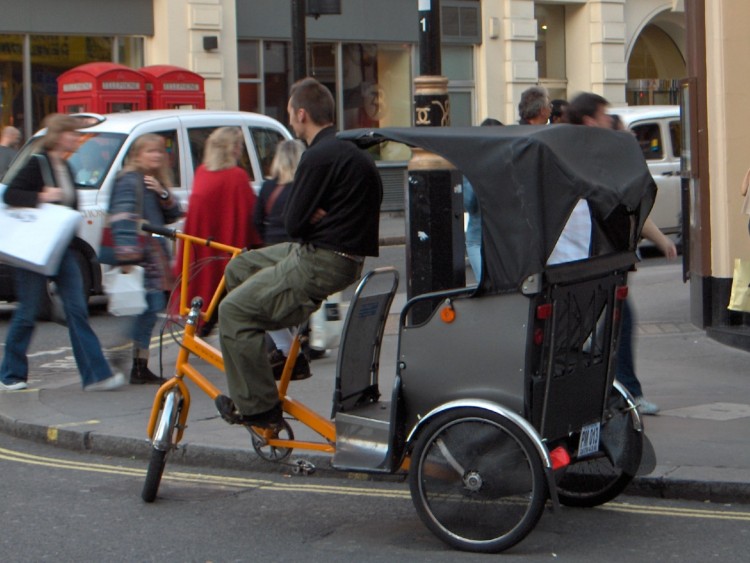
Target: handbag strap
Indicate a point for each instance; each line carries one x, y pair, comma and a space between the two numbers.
45, 169
273, 197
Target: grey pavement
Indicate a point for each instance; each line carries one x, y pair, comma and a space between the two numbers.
701, 436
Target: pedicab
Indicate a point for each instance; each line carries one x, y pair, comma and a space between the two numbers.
504, 397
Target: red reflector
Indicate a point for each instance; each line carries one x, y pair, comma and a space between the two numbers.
621, 292
560, 458
538, 336
544, 311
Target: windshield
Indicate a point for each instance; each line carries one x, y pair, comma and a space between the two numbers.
93, 159
90, 163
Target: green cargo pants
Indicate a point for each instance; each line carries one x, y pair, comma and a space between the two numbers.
271, 288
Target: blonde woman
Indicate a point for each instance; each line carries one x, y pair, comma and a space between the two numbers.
269, 221
269, 213
48, 179
142, 190
220, 207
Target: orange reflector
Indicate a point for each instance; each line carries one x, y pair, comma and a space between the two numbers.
621, 292
560, 458
448, 314
544, 311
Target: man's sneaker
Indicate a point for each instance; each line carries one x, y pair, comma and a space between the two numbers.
272, 418
227, 410
110, 384
15, 386
646, 407
301, 370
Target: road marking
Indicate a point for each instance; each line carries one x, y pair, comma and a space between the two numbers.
371, 490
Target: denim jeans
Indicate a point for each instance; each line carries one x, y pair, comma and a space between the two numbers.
625, 366
143, 324
30, 290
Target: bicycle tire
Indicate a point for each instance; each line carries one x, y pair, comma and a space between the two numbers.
477, 480
600, 479
153, 475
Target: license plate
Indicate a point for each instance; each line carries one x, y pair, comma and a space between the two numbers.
589, 442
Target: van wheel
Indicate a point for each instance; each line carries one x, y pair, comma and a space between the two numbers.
49, 311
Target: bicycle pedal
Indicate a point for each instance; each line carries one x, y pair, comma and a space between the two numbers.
303, 467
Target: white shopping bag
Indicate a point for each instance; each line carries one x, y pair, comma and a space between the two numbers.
127, 295
326, 324
35, 238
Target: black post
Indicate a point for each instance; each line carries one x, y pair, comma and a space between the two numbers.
435, 236
299, 40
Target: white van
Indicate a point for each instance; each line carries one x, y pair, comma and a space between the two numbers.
659, 133
102, 150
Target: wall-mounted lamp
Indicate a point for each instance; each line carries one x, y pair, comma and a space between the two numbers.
210, 42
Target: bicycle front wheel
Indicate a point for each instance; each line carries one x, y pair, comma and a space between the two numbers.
477, 481
163, 443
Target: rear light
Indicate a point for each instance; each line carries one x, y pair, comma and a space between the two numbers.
544, 312
621, 292
538, 337
560, 458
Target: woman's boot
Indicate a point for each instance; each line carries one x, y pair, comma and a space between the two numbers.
140, 374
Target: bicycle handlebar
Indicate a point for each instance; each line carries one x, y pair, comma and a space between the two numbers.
174, 234
157, 230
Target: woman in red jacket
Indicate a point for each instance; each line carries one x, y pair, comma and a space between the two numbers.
221, 207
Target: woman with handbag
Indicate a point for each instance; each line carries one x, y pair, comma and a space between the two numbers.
47, 178
141, 192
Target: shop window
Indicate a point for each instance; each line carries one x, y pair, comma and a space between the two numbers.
458, 66
51, 55
376, 85
550, 44
249, 76
277, 78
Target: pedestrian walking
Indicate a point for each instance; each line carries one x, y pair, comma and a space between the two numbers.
9, 139
590, 109
27, 189
141, 192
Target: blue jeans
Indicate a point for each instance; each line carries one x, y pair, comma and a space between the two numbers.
143, 324
30, 290
625, 367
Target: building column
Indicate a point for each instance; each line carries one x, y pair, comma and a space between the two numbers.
595, 49
519, 45
179, 30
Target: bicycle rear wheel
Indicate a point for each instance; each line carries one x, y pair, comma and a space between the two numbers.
601, 478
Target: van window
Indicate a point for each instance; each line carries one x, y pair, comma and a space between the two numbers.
649, 138
198, 137
93, 159
266, 141
173, 152
675, 133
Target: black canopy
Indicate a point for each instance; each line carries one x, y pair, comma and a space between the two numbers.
528, 179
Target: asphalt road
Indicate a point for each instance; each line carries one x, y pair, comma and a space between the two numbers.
60, 505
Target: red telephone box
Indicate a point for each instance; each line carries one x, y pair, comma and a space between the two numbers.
101, 88
172, 87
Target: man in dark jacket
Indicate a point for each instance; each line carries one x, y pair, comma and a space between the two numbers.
333, 213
